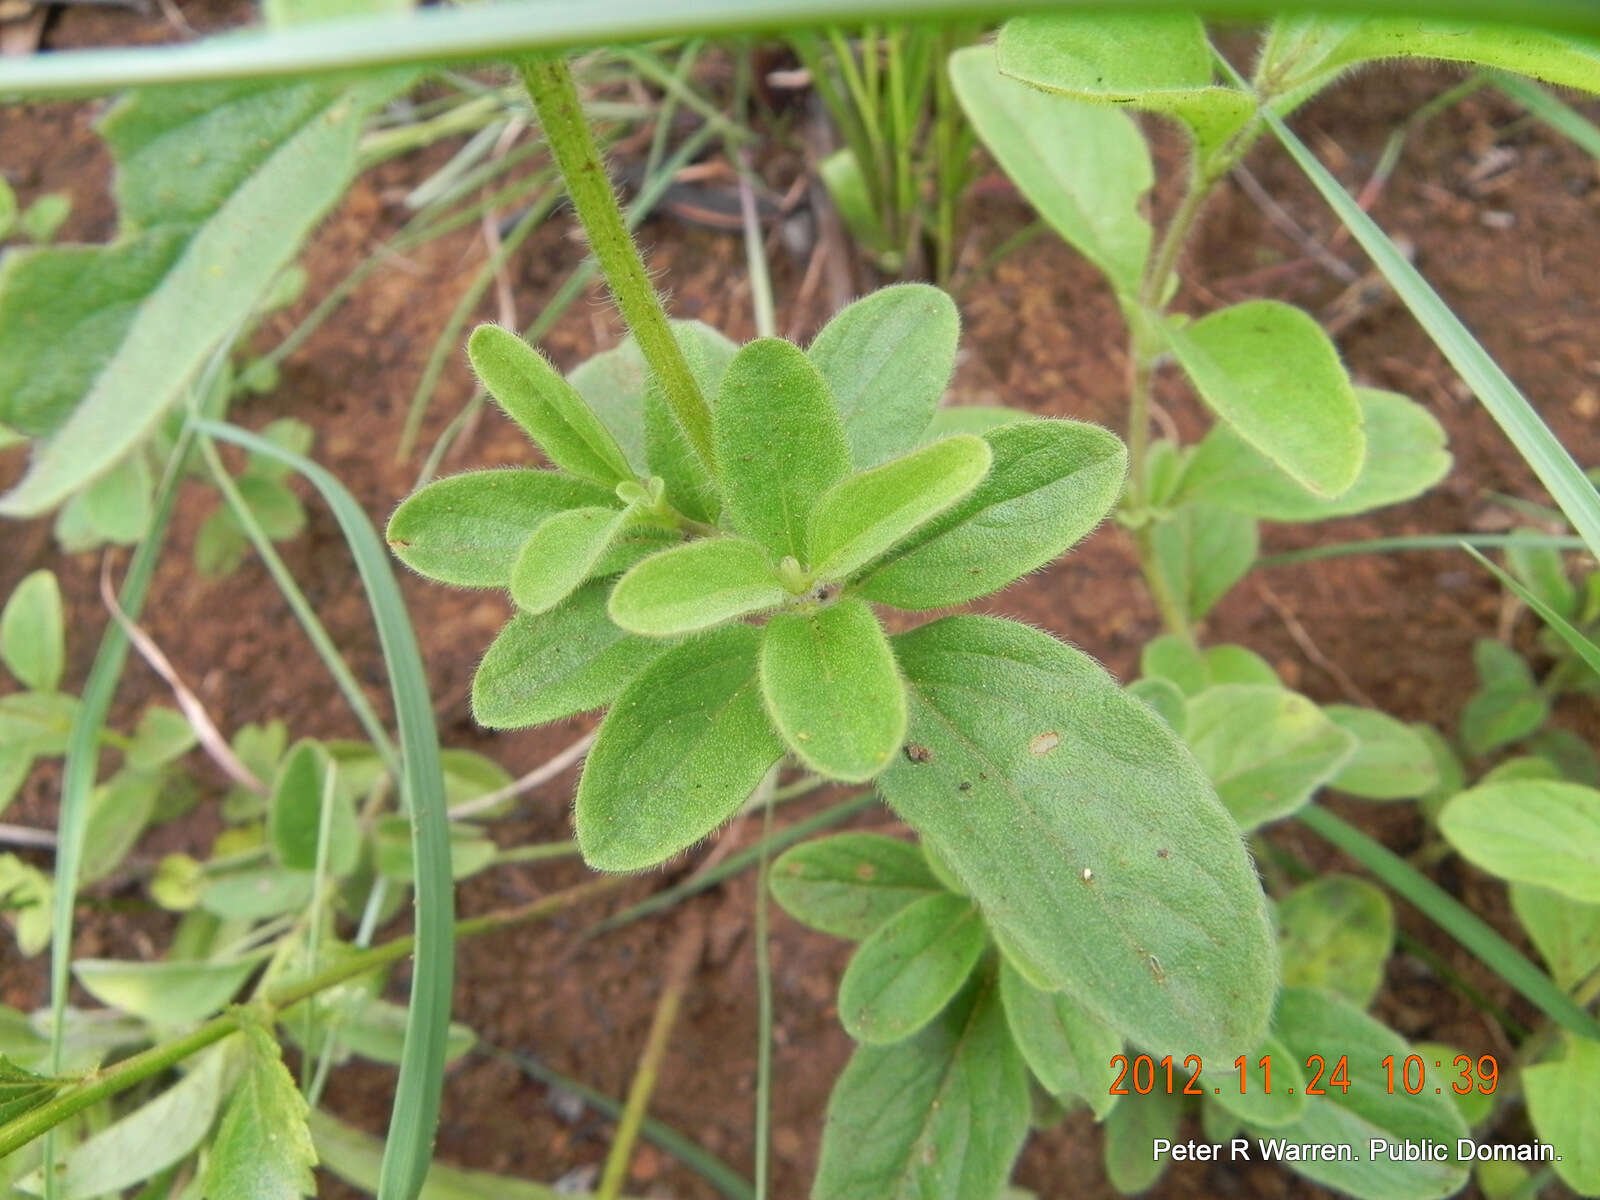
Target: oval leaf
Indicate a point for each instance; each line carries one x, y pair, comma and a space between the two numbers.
1336, 934
866, 514
887, 359
1561, 1106
1530, 831
165, 993
909, 968
1270, 371
294, 820
1391, 762
1283, 1105
1067, 1049
1311, 1022
1160, 62
32, 632
1049, 484
1265, 749
1406, 456
1084, 167
1202, 552
468, 529
682, 748
694, 587
548, 408
569, 660
560, 554
851, 883
1567, 933
1086, 833
832, 689
940, 1116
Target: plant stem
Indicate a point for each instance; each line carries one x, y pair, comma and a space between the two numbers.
555, 100
680, 967
157, 1059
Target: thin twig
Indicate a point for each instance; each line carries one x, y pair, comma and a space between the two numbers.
541, 774
205, 730
1298, 234
1309, 648
680, 967
27, 835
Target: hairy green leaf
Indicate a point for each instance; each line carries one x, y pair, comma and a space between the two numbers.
1049, 484
1164, 697
1562, 1109
778, 441
1566, 932
1336, 933
971, 418
1201, 552
832, 690
1314, 1022
695, 586
569, 660
163, 734
119, 811
165, 993
1068, 1051
909, 968
1086, 833
613, 382
468, 529
682, 748
294, 819
1507, 706
1160, 62
1283, 1105
866, 514
1270, 371
850, 883
33, 632
562, 551
940, 1116
263, 1150
217, 186
1406, 456
1391, 762
1265, 749
1177, 660
1236, 664
1084, 167
548, 408
1531, 831
1131, 1130
887, 359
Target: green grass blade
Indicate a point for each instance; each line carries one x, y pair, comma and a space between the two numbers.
83, 761
1427, 541
416, 1106
477, 33
301, 607
1445, 911
1581, 646
1554, 112
1550, 461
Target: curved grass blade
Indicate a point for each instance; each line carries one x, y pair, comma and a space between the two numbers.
481, 32
1427, 541
416, 1105
1568, 633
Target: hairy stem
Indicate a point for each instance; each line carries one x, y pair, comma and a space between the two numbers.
157, 1059
555, 100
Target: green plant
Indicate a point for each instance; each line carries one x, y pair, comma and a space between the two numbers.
905, 163
713, 557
